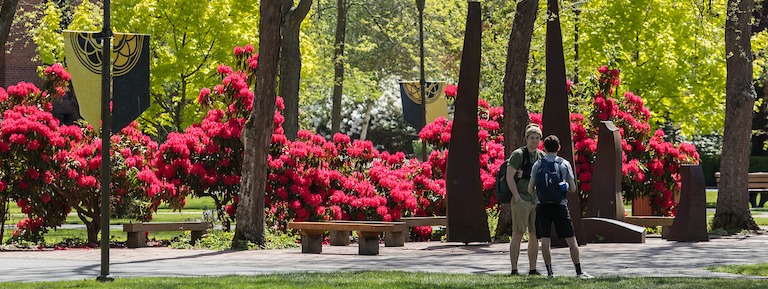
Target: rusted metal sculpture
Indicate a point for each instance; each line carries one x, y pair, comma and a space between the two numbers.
555, 116
605, 209
690, 223
605, 195
467, 220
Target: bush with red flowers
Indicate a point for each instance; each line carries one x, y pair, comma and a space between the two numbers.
650, 165
49, 169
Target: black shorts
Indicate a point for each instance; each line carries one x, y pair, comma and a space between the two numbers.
557, 214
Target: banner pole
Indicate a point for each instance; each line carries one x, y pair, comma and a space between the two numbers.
420, 6
106, 127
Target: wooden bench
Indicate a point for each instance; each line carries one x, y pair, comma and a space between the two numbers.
137, 232
367, 231
652, 221
758, 183
394, 238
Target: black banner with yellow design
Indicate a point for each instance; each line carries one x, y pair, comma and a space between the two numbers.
437, 105
130, 75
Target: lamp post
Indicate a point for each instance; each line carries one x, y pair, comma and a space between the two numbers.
420, 6
576, 11
106, 127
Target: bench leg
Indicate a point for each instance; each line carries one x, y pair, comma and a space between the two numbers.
369, 243
195, 236
753, 199
394, 239
311, 243
339, 238
136, 240
763, 199
665, 231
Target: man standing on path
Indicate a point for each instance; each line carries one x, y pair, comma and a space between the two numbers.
523, 203
552, 177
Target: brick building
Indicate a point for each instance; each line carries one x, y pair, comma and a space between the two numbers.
16, 65
16, 60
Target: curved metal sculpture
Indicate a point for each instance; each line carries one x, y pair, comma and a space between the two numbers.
555, 116
467, 221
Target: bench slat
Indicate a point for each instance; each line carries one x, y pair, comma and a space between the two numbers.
399, 226
150, 227
425, 221
649, 221
343, 226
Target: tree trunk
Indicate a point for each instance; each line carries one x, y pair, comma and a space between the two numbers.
732, 213
7, 11
3, 215
257, 134
338, 65
515, 112
366, 119
290, 63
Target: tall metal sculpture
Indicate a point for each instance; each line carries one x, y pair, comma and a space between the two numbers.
605, 195
690, 224
555, 116
467, 221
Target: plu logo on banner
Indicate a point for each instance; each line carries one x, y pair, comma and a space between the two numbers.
130, 72
437, 105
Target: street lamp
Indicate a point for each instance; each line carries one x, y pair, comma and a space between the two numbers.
420, 6
576, 6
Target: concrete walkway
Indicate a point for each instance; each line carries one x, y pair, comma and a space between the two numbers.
656, 257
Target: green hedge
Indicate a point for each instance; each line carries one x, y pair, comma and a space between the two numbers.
711, 164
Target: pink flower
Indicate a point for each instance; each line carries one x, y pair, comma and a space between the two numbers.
451, 91
238, 51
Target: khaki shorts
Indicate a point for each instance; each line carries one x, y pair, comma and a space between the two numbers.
523, 216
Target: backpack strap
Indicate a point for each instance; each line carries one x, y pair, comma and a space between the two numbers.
526, 156
526, 165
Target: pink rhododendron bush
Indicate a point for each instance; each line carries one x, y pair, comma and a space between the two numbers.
650, 165
311, 178
50, 170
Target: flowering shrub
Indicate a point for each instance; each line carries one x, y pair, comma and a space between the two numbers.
649, 164
132, 194
491, 141
311, 178
49, 169
29, 139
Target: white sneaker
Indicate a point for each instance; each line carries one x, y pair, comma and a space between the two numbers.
584, 275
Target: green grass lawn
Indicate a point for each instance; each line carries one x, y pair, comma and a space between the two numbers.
753, 269
380, 279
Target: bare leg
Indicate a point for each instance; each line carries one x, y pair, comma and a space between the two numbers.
574, 247
533, 250
514, 248
545, 244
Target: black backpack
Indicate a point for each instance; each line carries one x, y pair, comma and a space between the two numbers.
548, 181
503, 192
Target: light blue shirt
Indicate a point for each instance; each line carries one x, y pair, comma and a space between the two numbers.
565, 169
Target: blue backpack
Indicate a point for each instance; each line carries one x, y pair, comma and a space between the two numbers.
548, 181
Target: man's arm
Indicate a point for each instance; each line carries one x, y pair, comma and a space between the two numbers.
511, 173
532, 180
571, 178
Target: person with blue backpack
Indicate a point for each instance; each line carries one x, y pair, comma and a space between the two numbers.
512, 187
551, 178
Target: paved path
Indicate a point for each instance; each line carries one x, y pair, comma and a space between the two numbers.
656, 257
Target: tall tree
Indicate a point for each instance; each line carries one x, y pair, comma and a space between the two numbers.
290, 63
7, 12
732, 211
257, 134
515, 112
338, 64
188, 44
